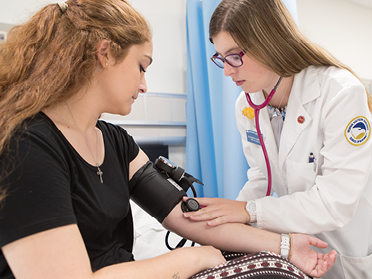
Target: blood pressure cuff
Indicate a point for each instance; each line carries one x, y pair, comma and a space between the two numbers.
155, 192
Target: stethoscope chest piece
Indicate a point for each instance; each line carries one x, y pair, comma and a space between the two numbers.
190, 205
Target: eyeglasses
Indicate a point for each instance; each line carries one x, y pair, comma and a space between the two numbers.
234, 60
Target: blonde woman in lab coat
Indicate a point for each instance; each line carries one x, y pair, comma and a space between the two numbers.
316, 130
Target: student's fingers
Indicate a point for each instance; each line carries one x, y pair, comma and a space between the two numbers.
219, 211
203, 214
324, 264
317, 242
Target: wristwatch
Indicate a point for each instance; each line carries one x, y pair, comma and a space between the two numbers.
251, 209
285, 246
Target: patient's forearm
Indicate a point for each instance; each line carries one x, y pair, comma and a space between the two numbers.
229, 237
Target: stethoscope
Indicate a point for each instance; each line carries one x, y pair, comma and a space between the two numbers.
256, 116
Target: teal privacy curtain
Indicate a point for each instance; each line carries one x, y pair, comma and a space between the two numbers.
214, 151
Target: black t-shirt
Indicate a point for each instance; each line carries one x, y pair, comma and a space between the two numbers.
51, 185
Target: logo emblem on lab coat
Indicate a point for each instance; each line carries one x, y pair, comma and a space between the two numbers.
248, 112
357, 132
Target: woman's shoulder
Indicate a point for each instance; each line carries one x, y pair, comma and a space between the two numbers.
332, 74
38, 136
111, 130
240, 98
38, 126
325, 81
117, 136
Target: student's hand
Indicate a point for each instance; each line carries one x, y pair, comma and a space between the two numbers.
313, 263
217, 211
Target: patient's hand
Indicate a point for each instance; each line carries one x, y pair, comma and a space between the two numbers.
313, 263
217, 211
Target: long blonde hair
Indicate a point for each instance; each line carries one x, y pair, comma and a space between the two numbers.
50, 57
267, 31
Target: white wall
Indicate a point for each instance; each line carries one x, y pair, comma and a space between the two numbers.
342, 27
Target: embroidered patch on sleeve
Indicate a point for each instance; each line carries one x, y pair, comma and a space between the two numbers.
357, 132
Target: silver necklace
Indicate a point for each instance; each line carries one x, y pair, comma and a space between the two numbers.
99, 171
277, 111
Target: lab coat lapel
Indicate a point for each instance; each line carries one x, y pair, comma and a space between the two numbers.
297, 118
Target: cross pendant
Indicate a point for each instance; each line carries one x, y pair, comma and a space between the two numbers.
100, 173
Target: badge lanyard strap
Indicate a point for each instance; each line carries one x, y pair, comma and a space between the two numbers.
256, 113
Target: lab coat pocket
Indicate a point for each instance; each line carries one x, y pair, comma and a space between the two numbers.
300, 176
356, 267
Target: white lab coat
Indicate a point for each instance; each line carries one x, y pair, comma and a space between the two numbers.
331, 198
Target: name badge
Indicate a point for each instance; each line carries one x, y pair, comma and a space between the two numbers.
252, 136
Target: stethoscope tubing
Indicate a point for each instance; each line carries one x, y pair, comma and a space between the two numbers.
257, 109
